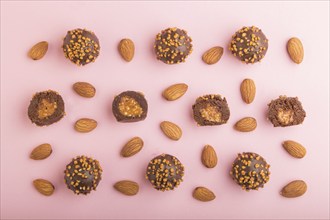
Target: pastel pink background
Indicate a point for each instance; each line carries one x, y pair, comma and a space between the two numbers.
209, 24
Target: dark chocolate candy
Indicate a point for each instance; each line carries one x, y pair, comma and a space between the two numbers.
250, 171
81, 46
46, 108
165, 172
211, 110
286, 111
82, 175
173, 46
130, 106
249, 44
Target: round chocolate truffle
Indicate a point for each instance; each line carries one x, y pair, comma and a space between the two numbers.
81, 46
286, 111
46, 108
83, 174
250, 171
173, 45
165, 172
249, 44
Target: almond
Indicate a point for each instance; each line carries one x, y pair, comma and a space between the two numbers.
203, 194
212, 55
132, 147
171, 130
209, 157
84, 89
294, 149
248, 90
246, 124
41, 152
85, 125
38, 51
126, 49
294, 189
44, 187
175, 91
127, 187
295, 50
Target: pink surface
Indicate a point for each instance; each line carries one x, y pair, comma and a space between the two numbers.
209, 24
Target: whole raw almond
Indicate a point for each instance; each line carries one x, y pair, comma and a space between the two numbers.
85, 125
127, 187
38, 51
41, 152
203, 194
132, 147
246, 124
171, 130
248, 90
175, 91
296, 50
213, 55
294, 149
294, 189
209, 157
84, 89
44, 187
126, 49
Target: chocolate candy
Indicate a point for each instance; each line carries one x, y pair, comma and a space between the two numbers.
82, 175
173, 46
165, 172
211, 110
130, 106
81, 46
46, 108
286, 111
250, 171
249, 44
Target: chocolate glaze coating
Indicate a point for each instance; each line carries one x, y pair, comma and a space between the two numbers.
139, 98
249, 44
165, 172
83, 174
250, 171
39, 101
173, 46
219, 113
81, 46
286, 111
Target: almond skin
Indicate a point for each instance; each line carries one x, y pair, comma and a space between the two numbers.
248, 90
132, 147
246, 124
209, 157
171, 130
85, 125
41, 152
126, 49
212, 55
175, 91
44, 187
294, 189
84, 89
294, 149
127, 187
296, 50
203, 194
38, 51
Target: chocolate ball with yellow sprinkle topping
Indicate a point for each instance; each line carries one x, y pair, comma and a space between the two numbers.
165, 172
173, 45
249, 44
82, 175
250, 171
81, 46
